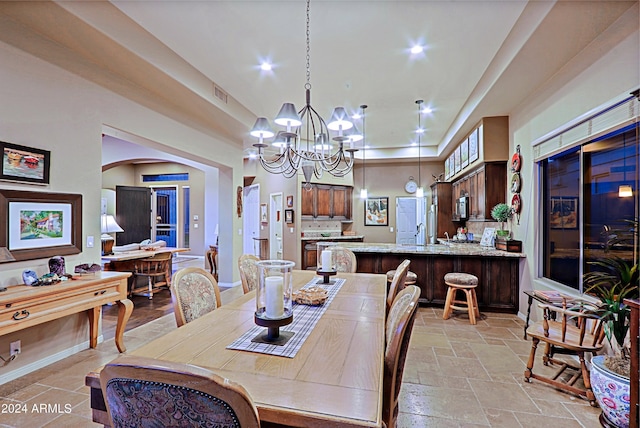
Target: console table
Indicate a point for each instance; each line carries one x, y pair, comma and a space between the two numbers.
23, 306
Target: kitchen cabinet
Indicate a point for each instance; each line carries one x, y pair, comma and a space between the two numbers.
441, 193
310, 249
486, 187
325, 201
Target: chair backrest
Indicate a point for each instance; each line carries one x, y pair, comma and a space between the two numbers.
578, 326
345, 259
133, 387
397, 283
248, 272
398, 333
156, 264
194, 292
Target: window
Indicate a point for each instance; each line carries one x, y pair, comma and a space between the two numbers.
165, 177
583, 205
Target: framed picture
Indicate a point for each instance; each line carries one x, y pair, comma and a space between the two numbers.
456, 157
263, 214
473, 146
564, 212
464, 154
452, 165
487, 237
290, 201
37, 225
447, 170
288, 216
376, 211
24, 164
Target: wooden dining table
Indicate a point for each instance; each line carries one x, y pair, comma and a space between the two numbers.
334, 380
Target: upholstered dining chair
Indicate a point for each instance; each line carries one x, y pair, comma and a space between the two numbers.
398, 333
194, 292
157, 271
345, 259
148, 392
248, 272
397, 283
574, 330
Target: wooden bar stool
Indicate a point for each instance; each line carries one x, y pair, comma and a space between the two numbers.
466, 283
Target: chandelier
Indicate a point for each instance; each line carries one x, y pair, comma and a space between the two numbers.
305, 144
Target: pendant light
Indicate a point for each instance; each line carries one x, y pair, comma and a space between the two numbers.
363, 190
420, 190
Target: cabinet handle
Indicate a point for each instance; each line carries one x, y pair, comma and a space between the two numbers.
17, 316
99, 292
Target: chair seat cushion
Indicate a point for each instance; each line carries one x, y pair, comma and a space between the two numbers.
411, 276
457, 278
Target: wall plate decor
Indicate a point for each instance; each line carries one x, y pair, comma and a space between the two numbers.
515, 183
376, 211
36, 225
24, 164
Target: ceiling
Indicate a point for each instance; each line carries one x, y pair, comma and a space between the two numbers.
481, 58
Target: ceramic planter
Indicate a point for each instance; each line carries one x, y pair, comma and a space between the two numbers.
612, 393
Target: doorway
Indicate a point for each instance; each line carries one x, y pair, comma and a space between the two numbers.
164, 208
411, 221
251, 218
275, 226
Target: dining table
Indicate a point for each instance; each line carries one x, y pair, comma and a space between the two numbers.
333, 379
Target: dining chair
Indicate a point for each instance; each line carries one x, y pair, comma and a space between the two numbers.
398, 333
155, 269
248, 272
574, 330
194, 292
345, 259
397, 283
148, 392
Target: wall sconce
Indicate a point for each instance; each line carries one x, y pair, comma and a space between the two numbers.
625, 191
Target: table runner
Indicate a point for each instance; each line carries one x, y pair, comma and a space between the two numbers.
304, 320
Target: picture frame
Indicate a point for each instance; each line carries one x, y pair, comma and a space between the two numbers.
38, 225
376, 210
564, 212
464, 154
288, 216
24, 164
263, 214
473, 146
290, 201
456, 158
447, 170
487, 237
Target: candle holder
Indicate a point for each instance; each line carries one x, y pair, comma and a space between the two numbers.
274, 306
326, 264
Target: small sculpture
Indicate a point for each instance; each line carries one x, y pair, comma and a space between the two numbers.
56, 265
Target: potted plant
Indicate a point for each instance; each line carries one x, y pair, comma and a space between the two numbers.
613, 281
502, 212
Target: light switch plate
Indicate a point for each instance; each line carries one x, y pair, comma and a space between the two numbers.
89, 241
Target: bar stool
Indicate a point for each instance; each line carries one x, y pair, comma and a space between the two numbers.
410, 279
466, 283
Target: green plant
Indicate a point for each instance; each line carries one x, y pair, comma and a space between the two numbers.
501, 212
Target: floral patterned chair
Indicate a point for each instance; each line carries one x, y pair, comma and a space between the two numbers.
398, 282
248, 272
143, 392
194, 292
345, 259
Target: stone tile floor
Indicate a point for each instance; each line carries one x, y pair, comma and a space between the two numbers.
456, 375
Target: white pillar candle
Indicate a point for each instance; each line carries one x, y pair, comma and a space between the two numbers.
274, 297
326, 260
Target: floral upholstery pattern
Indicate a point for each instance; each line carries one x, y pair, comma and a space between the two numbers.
248, 272
138, 403
196, 295
345, 259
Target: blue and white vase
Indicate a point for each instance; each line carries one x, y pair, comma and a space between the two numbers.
612, 392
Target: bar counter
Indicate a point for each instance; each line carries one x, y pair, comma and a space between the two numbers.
498, 271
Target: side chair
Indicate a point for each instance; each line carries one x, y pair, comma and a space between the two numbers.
248, 272
148, 392
194, 292
345, 259
398, 282
157, 271
398, 333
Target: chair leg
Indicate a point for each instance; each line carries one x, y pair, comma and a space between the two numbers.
475, 303
447, 304
471, 307
529, 371
150, 288
587, 381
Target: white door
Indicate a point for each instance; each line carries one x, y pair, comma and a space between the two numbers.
276, 214
406, 214
250, 218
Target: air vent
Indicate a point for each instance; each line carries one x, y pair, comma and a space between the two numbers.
219, 93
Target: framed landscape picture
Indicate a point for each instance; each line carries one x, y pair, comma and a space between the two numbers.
464, 154
458, 166
24, 164
564, 212
473, 146
37, 225
447, 170
375, 211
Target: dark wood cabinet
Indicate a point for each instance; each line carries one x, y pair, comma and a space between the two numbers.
441, 193
486, 187
325, 201
310, 250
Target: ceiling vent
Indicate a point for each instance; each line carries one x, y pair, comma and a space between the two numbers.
220, 94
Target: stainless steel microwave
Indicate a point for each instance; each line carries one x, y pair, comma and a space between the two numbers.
463, 207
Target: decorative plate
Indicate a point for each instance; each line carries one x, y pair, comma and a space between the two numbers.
516, 204
515, 182
516, 162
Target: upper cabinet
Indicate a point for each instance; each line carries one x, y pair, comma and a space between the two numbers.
485, 187
326, 201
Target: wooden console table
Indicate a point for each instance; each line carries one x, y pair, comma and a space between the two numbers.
23, 306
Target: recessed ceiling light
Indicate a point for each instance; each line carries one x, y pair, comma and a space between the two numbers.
417, 49
420, 131
427, 110
265, 66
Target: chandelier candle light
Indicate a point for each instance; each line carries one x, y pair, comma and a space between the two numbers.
304, 144
274, 307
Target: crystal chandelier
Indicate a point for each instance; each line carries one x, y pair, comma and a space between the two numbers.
304, 144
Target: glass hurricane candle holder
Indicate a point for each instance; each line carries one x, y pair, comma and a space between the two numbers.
326, 265
274, 305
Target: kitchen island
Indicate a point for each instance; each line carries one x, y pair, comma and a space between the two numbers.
498, 271
310, 245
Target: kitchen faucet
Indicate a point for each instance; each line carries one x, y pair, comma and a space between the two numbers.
447, 235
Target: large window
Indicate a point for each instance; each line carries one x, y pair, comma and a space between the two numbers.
589, 195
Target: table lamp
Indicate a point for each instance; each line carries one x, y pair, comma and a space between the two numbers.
108, 225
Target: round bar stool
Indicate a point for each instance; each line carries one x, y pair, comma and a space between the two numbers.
411, 278
466, 283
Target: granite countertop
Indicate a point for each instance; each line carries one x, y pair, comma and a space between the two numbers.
330, 238
455, 249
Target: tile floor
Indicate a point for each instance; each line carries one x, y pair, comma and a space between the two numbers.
456, 375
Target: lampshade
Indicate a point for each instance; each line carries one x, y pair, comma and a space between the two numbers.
339, 120
108, 224
261, 128
625, 191
288, 116
353, 134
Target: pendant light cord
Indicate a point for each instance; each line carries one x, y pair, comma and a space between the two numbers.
419, 102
